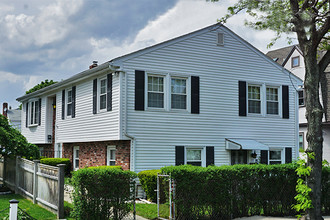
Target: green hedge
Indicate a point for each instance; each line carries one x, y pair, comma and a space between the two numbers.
102, 167
148, 180
56, 161
102, 193
228, 192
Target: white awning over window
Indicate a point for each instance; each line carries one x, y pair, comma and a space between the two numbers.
244, 144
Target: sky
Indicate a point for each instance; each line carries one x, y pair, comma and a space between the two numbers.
56, 39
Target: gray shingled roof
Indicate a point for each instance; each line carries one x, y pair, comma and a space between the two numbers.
280, 55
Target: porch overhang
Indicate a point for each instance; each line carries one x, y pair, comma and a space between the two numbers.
244, 144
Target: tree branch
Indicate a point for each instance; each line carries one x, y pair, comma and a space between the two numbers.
324, 62
323, 30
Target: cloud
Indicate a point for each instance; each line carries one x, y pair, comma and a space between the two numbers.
9, 77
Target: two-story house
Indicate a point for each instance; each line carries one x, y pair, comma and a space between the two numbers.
292, 59
207, 97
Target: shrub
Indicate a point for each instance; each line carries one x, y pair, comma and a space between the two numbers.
56, 161
228, 192
102, 167
102, 193
148, 180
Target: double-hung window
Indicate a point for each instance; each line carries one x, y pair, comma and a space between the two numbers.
111, 155
178, 93
194, 156
254, 99
33, 113
69, 103
103, 94
275, 156
155, 91
301, 97
272, 100
263, 99
76, 157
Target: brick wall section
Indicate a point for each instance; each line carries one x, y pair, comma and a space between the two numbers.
95, 153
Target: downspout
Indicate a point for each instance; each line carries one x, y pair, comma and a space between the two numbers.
123, 117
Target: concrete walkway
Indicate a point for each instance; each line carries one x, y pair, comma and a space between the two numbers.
272, 218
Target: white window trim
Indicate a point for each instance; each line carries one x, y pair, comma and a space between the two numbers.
67, 103
29, 103
187, 93
203, 154
292, 58
303, 140
304, 98
109, 148
282, 154
75, 157
167, 91
278, 99
58, 150
99, 94
263, 99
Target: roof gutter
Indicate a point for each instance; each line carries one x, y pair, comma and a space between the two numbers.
76, 78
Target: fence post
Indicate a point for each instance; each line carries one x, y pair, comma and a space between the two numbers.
4, 170
18, 159
60, 205
35, 181
13, 209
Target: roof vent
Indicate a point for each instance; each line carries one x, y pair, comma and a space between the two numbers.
220, 39
93, 65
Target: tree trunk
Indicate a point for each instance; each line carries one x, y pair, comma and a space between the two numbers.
314, 114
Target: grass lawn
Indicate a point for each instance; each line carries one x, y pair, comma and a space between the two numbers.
149, 211
32, 209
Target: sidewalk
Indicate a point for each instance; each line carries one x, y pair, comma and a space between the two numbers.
272, 218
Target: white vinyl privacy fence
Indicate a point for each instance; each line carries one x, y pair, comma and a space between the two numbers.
41, 183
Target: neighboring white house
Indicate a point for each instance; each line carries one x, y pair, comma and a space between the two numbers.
13, 115
207, 97
292, 59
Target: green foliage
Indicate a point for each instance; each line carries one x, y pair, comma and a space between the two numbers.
235, 191
105, 167
56, 161
303, 199
27, 205
102, 193
13, 143
40, 86
148, 180
149, 211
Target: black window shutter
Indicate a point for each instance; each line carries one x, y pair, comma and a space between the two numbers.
63, 104
179, 155
139, 90
27, 114
94, 96
195, 94
73, 102
209, 156
285, 101
242, 98
245, 156
288, 155
39, 109
109, 92
264, 156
